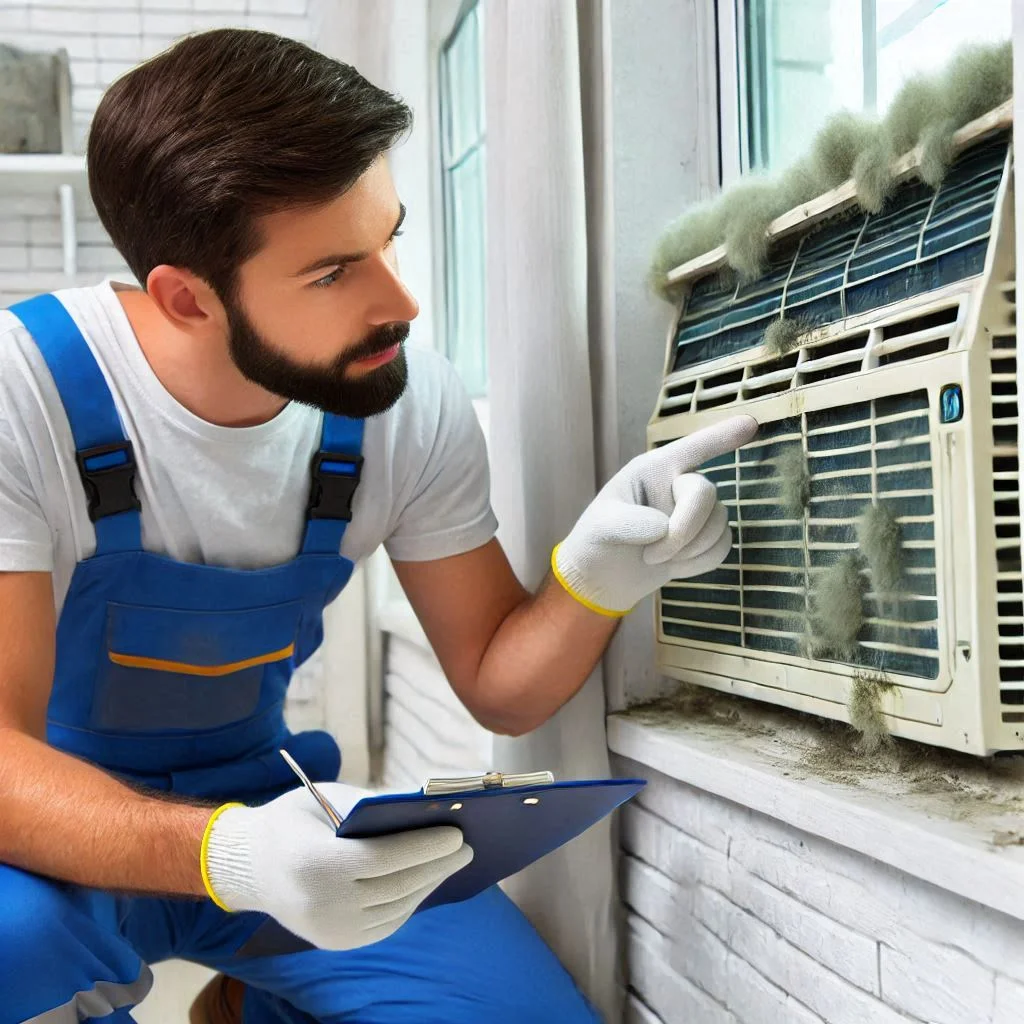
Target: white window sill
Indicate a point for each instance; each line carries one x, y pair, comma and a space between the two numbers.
958, 828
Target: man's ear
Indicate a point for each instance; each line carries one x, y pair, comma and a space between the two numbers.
186, 301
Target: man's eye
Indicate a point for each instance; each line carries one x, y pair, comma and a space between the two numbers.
328, 280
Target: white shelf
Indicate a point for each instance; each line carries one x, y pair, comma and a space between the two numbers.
31, 173
63, 173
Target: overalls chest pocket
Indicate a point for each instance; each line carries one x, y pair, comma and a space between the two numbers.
168, 669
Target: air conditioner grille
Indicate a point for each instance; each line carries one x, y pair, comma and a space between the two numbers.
1006, 487
920, 241
817, 359
875, 451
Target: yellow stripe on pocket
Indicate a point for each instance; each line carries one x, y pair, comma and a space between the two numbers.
161, 665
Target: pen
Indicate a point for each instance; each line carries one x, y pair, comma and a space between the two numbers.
335, 818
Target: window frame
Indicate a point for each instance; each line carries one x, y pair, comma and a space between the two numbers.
443, 122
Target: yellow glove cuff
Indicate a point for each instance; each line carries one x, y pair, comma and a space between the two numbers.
207, 884
589, 605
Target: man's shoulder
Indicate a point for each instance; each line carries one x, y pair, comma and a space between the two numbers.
434, 391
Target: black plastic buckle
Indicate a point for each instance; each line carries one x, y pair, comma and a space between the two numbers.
331, 494
110, 489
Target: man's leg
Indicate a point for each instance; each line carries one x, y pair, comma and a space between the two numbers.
62, 959
464, 963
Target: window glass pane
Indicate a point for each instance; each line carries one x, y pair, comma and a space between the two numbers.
809, 58
466, 287
462, 100
462, 72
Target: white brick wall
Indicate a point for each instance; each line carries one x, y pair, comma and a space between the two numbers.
735, 917
104, 39
427, 730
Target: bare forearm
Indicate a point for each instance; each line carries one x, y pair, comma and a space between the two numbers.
540, 656
66, 819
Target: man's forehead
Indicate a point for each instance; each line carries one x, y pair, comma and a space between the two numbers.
350, 220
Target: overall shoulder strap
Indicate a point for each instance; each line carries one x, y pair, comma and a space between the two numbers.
335, 472
106, 462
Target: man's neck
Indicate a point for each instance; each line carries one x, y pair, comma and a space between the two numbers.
200, 375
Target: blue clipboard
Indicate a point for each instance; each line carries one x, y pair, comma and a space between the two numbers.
508, 825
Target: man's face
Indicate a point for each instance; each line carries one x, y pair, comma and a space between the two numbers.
319, 314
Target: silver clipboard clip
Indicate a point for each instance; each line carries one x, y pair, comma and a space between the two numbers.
490, 780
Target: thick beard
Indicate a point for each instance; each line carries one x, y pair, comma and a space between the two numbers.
324, 387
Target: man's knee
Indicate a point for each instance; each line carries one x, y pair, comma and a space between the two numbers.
59, 945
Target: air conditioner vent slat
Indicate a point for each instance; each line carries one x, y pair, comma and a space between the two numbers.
1006, 521
777, 558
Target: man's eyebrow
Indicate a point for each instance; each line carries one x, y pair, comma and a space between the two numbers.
343, 259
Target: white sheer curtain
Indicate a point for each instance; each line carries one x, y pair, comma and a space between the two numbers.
542, 427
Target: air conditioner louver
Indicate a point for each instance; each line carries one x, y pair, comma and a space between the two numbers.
1006, 520
856, 454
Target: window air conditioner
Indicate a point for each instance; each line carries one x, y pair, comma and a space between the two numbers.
900, 396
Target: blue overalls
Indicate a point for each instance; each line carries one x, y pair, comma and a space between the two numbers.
174, 675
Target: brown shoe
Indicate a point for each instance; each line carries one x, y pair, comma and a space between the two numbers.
220, 1002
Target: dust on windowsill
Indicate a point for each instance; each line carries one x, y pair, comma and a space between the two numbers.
959, 787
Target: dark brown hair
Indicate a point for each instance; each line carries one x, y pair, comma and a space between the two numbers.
189, 148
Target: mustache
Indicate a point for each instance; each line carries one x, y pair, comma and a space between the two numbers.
380, 340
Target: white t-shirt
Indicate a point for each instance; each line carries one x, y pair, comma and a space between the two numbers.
228, 496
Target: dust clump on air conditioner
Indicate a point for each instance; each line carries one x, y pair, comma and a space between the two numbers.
865, 708
836, 610
795, 481
782, 336
881, 542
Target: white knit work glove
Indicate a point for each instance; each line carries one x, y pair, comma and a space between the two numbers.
656, 520
283, 859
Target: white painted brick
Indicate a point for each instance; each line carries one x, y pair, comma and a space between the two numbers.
824, 993
166, 23
45, 257
51, 19
877, 900
154, 44
45, 231
234, 7
292, 27
119, 48
13, 230
92, 232
699, 955
77, 46
711, 821
13, 257
86, 99
671, 997
681, 857
937, 984
652, 895
845, 952
84, 73
118, 23
99, 257
1009, 1008
209, 21
90, 6
756, 1000
168, 5
30, 206
111, 70
637, 1013
14, 19
299, 7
